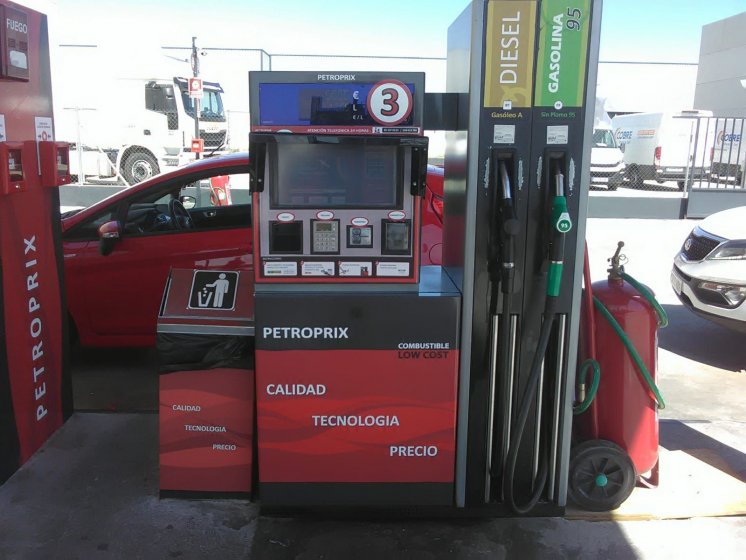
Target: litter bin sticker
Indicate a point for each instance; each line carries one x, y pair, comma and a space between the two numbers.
213, 289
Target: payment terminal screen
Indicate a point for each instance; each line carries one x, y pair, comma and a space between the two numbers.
336, 176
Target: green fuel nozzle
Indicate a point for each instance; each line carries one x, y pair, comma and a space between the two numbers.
561, 223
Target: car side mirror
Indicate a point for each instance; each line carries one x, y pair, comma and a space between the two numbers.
108, 235
188, 202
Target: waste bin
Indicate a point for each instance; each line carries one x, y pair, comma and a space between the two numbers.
206, 412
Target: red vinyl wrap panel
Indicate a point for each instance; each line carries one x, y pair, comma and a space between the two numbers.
409, 397
206, 425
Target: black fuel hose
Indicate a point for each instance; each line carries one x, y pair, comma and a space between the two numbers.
529, 394
509, 228
561, 224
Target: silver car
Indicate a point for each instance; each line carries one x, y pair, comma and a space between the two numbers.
709, 273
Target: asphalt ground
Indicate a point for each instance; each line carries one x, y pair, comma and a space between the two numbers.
92, 491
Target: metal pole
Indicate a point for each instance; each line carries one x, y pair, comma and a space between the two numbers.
196, 101
739, 168
81, 174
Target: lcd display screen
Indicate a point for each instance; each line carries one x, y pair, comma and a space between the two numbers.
336, 176
318, 104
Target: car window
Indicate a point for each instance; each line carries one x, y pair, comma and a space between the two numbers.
88, 229
219, 190
603, 139
150, 214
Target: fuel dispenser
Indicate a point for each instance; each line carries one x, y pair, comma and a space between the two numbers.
514, 218
356, 344
35, 388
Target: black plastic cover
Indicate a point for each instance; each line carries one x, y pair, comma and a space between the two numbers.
190, 352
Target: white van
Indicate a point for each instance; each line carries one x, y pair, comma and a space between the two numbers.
607, 160
660, 146
729, 154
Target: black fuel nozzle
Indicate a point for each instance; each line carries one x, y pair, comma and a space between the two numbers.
508, 231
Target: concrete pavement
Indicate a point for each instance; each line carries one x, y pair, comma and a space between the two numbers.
92, 491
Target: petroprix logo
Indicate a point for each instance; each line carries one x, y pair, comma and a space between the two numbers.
284, 333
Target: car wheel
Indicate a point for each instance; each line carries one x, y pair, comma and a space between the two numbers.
635, 179
139, 166
681, 185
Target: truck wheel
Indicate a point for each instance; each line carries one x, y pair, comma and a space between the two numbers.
635, 179
139, 166
602, 476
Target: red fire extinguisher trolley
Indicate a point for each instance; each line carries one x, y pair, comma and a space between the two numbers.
616, 422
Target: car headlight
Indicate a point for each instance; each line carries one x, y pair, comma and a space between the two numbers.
730, 250
733, 294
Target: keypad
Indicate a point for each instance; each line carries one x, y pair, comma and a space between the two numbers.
326, 237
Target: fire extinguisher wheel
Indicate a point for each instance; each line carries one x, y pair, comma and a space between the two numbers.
602, 475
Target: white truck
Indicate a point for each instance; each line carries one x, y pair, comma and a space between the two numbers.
607, 160
729, 153
661, 146
141, 127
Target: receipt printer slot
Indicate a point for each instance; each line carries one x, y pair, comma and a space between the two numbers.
286, 238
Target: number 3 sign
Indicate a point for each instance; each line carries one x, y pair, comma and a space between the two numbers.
389, 102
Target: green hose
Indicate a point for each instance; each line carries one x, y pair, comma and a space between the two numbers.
631, 348
662, 317
581, 407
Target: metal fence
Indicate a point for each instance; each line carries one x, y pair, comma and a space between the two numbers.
135, 120
686, 165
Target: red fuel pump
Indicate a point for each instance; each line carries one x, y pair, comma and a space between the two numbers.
617, 418
220, 190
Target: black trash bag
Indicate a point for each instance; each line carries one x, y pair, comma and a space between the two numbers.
188, 352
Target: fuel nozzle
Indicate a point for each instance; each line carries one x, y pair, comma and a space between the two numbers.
561, 223
508, 231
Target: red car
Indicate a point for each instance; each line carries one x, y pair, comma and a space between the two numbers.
177, 219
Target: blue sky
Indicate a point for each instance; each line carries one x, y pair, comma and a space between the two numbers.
638, 30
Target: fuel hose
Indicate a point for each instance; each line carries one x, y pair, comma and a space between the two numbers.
560, 225
507, 233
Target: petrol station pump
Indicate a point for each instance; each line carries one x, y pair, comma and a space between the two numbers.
35, 388
376, 381
516, 207
453, 387
356, 344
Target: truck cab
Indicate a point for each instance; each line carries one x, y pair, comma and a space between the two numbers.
135, 140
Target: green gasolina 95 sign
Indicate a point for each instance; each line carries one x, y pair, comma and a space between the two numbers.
563, 51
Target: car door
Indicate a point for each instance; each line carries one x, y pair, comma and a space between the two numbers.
124, 288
